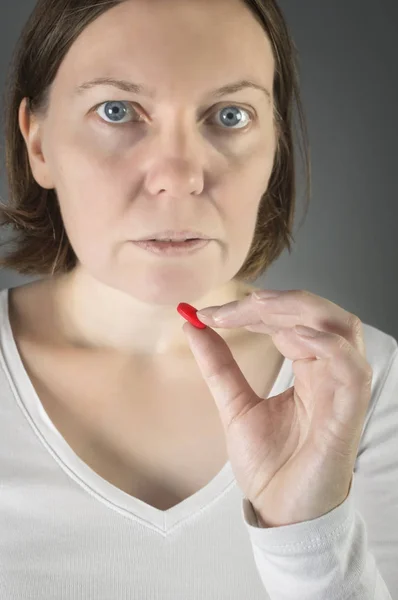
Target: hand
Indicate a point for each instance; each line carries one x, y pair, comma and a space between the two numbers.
292, 454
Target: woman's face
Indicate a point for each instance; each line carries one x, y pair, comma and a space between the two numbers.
125, 164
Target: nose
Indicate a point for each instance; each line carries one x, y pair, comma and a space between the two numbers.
177, 169
175, 177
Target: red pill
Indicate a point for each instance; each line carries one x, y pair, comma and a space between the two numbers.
189, 313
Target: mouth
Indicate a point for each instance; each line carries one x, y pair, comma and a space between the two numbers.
173, 248
176, 241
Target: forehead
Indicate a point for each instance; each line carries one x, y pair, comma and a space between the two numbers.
172, 45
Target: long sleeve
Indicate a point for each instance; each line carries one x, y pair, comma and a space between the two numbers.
350, 553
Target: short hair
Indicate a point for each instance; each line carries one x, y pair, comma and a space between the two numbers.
41, 246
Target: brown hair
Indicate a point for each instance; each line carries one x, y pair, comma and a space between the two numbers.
42, 245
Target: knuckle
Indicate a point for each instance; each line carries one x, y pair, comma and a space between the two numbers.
343, 344
355, 324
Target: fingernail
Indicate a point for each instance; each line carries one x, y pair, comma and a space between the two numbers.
218, 313
226, 311
263, 294
207, 312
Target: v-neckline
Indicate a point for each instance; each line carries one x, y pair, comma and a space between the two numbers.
81, 473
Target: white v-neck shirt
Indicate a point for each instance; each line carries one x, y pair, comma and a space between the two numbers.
68, 534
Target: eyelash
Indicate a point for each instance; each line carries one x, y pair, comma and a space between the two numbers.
251, 115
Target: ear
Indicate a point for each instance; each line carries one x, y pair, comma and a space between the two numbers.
32, 133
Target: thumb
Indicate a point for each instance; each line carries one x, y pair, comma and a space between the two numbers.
229, 387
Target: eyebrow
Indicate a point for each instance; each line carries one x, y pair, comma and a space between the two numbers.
135, 88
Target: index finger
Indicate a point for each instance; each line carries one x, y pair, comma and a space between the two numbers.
294, 307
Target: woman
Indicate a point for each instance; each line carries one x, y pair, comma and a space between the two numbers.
172, 120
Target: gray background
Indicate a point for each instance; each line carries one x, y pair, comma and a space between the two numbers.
346, 250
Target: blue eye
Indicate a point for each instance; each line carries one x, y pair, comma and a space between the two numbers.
116, 112
113, 110
231, 113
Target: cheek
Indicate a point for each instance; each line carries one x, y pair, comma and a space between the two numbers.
88, 190
82, 164
88, 175
247, 179
242, 191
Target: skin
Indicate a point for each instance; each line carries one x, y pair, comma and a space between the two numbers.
171, 163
